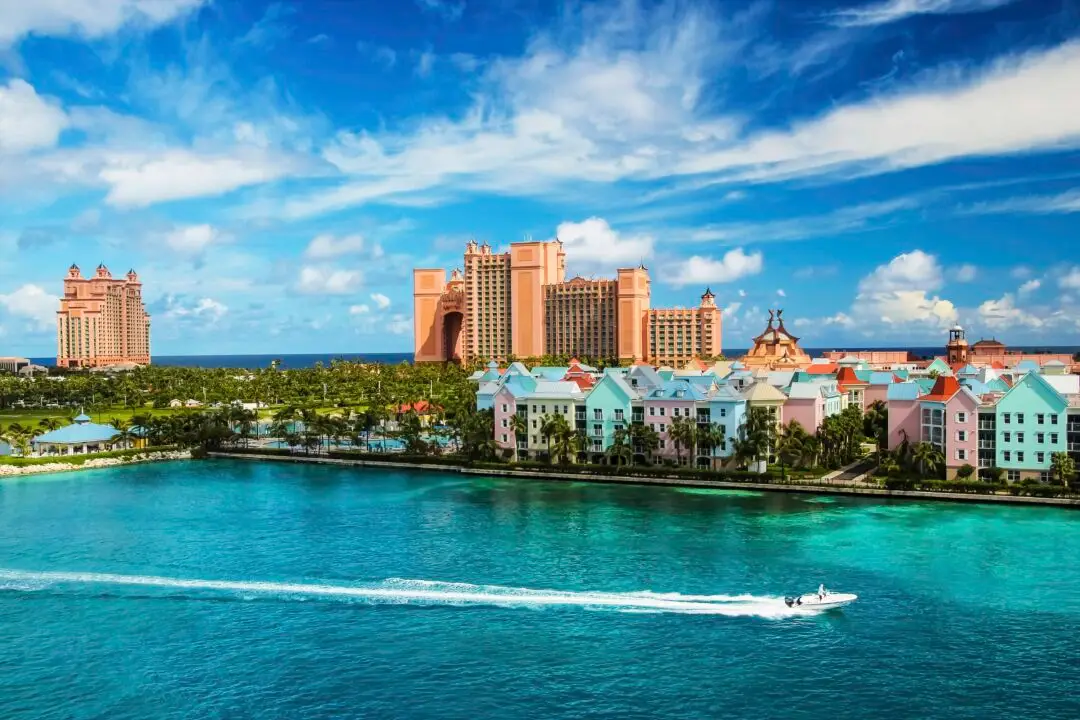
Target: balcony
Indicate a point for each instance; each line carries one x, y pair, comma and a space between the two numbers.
986, 444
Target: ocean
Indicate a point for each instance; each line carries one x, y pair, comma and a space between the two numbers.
232, 589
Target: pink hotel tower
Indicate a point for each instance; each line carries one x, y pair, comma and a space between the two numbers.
519, 303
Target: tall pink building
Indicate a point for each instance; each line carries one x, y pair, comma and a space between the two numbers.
102, 321
520, 303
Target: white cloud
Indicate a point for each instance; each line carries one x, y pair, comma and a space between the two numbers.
86, 18
203, 308
1019, 104
323, 247
742, 293
1004, 314
1030, 286
733, 265
380, 300
321, 280
425, 63
593, 246
841, 319
359, 310
399, 325
1020, 272
379, 54
33, 303
899, 295
731, 309
449, 9
889, 11
193, 239
965, 273
1071, 279
27, 120
781, 292
465, 62
1060, 204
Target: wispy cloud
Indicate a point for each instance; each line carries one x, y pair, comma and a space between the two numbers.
448, 9
890, 11
87, 19
1060, 204
270, 28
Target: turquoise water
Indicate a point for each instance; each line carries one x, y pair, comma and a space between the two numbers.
246, 590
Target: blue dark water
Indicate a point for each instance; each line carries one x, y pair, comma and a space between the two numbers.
244, 590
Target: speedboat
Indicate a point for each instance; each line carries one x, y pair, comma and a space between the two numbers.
821, 600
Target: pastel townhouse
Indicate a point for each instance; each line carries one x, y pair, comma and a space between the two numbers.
676, 400
1030, 425
878, 388
852, 386
762, 394
608, 407
809, 403
903, 414
508, 400
727, 410
533, 401
949, 417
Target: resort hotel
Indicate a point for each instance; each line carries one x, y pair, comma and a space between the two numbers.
102, 321
983, 409
519, 303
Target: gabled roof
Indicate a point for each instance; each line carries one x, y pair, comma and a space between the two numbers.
904, 391
925, 384
618, 382
1055, 363
1043, 387
863, 374
549, 373
1064, 384
1027, 366
823, 369
847, 377
646, 376
805, 391
552, 388
780, 378
763, 392
944, 388
883, 378
726, 393
677, 390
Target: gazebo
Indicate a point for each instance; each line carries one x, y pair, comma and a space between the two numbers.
83, 436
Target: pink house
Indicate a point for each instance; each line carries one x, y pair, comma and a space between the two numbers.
949, 420
878, 390
904, 420
505, 409
675, 400
809, 403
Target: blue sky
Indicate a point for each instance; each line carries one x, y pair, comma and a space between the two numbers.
274, 170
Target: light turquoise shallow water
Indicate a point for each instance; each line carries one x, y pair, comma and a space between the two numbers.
247, 590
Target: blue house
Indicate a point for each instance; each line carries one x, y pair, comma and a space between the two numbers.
1030, 428
82, 436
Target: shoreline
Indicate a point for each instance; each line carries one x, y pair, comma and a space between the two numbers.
11, 472
847, 490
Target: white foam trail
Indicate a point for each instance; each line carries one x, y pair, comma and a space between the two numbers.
400, 591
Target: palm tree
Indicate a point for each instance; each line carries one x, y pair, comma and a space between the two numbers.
49, 424
568, 442
1063, 467
876, 424
756, 437
791, 445
711, 437
682, 433
519, 428
645, 440
550, 427
927, 457
620, 450
18, 437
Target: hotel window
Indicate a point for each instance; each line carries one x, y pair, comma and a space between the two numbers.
1053, 438
663, 428
1019, 418
1019, 456
1008, 456
534, 408
961, 417
1040, 438
661, 444
1040, 457
1013, 476
543, 409
598, 429
1019, 437
1007, 417
1040, 419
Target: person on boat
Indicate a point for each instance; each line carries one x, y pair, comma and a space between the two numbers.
821, 591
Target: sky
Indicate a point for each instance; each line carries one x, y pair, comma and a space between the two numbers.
273, 171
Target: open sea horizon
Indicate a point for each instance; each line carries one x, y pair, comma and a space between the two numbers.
293, 361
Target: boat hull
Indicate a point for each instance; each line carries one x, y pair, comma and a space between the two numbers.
829, 602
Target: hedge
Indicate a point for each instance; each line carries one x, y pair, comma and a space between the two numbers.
980, 488
80, 459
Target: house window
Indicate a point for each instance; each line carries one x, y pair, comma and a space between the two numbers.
1040, 438
1019, 456
1053, 419
1007, 436
598, 414
1044, 476
504, 424
961, 417
1013, 475
505, 408
618, 414
723, 412
661, 443
1019, 437
534, 409
1007, 417
1053, 438
961, 435
504, 437
543, 409
723, 429
534, 424
1040, 457
598, 429
661, 412
1019, 418
926, 416
961, 454
1008, 456
652, 411
1040, 419
663, 428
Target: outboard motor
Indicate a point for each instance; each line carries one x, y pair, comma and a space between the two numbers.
789, 601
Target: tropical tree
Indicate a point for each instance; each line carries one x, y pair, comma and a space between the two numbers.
876, 424
757, 435
519, 427
682, 432
928, 458
1063, 467
711, 437
791, 445
49, 424
18, 437
645, 440
550, 427
411, 433
621, 451
965, 471
568, 442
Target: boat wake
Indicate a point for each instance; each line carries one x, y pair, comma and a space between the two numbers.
396, 591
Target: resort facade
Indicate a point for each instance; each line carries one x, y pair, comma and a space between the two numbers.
519, 303
102, 321
1013, 419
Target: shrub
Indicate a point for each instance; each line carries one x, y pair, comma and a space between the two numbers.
965, 471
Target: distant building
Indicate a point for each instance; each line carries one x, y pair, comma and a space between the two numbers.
519, 303
776, 348
102, 321
82, 436
13, 364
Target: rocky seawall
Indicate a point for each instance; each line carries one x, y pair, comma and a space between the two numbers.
92, 463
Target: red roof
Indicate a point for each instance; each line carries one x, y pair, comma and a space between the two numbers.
822, 369
846, 377
585, 382
944, 388
420, 407
997, 365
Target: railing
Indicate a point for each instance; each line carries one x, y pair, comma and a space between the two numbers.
986, 445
